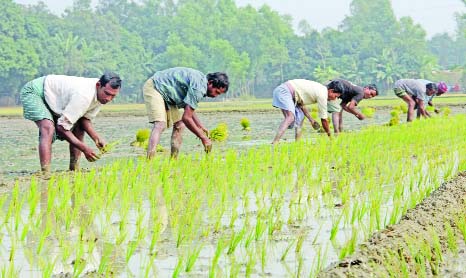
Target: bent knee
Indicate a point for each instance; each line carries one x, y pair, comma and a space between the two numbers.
289, 118
178, 125
46, 128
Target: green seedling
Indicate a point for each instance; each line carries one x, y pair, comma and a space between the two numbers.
109, 147
246, 124
368, 111
220, 133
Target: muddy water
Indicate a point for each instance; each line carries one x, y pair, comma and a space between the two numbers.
20, 137
315, 228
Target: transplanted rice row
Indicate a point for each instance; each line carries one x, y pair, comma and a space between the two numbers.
289, 210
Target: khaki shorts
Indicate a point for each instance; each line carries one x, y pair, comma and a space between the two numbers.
156, 108
400, 92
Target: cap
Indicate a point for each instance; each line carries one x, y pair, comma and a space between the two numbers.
442, 87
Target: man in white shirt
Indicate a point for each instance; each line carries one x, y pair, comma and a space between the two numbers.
63, 107
293, 96
414, 92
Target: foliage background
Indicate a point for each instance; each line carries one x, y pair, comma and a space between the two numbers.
256, 47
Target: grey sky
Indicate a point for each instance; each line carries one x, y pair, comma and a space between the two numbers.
435, 16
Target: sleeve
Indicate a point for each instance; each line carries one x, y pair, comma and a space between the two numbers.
196, 91
73, 111
192, 98
357, 98
92, 113
322, 107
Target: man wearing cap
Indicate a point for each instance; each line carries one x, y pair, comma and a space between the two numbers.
293, 96
169, 90
351, 95
441, 89
414, 92
63, 108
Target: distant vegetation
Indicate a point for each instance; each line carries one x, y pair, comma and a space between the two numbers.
257, 47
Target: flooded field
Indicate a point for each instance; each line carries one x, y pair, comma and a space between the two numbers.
245, 211
20, 138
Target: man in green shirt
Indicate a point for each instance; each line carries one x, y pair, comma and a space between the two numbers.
174, 88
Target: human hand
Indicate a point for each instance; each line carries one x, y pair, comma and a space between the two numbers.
100, 143
90, 155
206, 131
207, 145
315, 125
360, 117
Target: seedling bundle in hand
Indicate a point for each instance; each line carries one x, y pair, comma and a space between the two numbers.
220, 133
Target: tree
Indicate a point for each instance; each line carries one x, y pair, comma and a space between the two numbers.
18, 59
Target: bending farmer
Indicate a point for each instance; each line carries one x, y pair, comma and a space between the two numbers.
171, 89
63, 108
293, 96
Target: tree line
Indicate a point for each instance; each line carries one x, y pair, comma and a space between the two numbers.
257, 47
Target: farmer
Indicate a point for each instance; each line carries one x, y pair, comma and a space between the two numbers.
414, 92
293, 96
350, 97
167, 91
441, 89
63, 107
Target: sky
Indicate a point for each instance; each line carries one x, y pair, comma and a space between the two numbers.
435, 16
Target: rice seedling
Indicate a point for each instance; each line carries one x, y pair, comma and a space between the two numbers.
142, 136
251, 263
461, 224
368, 111
300, 242
245, 124
350, 246
437, 256
131, 248
318, 263
232, 199
219, 133
218, 251
451, 238
192, 257
235, 239
446, 111
178, 267
395, 119
287, 249
109, 147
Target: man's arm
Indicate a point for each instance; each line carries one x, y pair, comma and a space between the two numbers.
351, 108
326, 126
198, 123
88, 127
421, 108
308, 116
190, 122
69, 136
430, 103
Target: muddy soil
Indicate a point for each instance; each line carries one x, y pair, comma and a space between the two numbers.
373, 259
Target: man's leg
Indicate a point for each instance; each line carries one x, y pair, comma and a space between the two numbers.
154, 139
409, 100
289, 119
336, 122
176, 139
75, 153
299, 131
46, 132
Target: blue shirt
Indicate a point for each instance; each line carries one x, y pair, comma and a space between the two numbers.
181, 86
